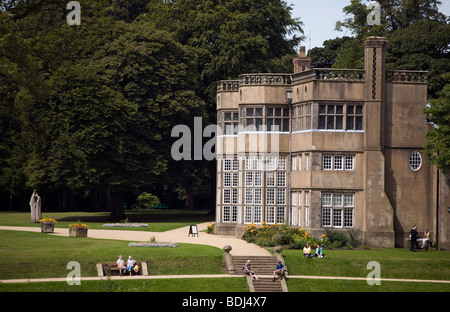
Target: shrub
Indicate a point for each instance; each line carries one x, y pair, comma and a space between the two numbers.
146, 201
270, 235
339, 240
298, 242
354, 237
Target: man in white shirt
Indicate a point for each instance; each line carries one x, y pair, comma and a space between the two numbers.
121, 265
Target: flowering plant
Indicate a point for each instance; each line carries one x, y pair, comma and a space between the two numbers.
152, 244
271, 235
125, 225
47, 220
210, 229
78, 224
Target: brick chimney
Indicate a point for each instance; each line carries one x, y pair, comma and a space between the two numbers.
301, 63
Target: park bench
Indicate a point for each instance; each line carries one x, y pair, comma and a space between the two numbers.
160, 206
430, 244
111, 268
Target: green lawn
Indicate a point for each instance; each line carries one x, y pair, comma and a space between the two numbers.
321, 285
151, 285
158, 220
394, 263
35, 255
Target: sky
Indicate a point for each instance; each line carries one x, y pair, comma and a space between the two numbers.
319, 18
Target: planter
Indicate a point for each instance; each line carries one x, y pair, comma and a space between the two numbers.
47, 227
278, 250
78, 231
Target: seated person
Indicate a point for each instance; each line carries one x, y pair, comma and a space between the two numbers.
319, 252
248, 270
130, 264
279, 270
307, 251
121, 265
425, 239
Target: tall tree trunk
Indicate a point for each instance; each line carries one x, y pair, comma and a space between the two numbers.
94, 200
189, 196
66, 201
62, 204
10, 201
107, 199
117, 211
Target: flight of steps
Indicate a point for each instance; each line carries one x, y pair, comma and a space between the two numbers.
263, 268
267, 285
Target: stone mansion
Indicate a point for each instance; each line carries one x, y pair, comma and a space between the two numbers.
329, 148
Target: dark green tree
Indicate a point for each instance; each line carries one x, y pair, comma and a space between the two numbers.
90, 108
417, 33
437, 146
395, 14
230, 37
324, 57
96, 115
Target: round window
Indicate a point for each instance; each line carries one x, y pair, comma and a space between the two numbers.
415, 161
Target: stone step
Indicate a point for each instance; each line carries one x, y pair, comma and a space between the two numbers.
267, 285
260, 265
263, 266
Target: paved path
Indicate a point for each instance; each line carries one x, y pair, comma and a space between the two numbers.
180, 235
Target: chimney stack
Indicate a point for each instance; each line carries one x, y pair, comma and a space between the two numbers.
301, 63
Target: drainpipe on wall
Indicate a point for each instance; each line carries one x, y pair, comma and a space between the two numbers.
437, 209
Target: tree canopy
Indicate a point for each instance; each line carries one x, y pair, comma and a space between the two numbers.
418, 39
437, 146
89, 109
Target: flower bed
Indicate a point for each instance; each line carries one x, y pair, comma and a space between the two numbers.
125, 225
152, 244
271, 235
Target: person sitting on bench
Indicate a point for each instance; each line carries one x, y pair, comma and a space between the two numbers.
121, 265
130, 264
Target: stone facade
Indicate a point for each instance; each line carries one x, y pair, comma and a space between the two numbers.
337, 148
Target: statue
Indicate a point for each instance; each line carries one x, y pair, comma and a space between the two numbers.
35, 204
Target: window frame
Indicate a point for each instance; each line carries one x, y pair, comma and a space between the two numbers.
415, 161
337, 210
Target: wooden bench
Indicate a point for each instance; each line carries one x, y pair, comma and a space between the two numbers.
160, 206
429, 244
111, 268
